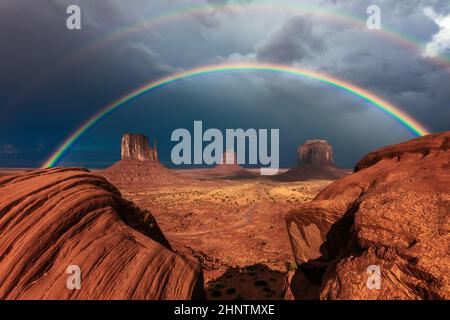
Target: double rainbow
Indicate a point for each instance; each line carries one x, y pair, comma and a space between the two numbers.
257, 7
393, 111
201, 9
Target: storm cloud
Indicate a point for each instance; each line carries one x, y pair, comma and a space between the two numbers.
49, 84
293, 42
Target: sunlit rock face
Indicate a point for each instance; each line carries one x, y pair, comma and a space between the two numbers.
315, 152
60, 219
314, 161
139, 165
136, 147
381, 232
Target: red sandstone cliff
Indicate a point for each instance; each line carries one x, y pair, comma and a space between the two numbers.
314, 161
229, 168
140, 165
53, 218
136, 147
394, 213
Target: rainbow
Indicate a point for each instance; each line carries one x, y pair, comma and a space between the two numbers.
260, 7
404, 119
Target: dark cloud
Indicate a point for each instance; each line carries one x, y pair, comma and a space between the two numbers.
295, 41
215, 3
145, 60
219, 8
10, 149
50, 102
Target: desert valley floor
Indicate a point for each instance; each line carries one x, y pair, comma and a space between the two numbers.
139, 230
235, 228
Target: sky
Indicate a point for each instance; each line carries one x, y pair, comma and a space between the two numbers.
52, 79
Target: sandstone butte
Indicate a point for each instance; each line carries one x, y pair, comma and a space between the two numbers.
392, 212
229, 167
53, 218
136, 147
139, 165
314, 161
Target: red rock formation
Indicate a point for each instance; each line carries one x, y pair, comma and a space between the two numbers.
315, 161
137, 174
315, 152
394, 213
136, 147
421, 146
155, 151
140, 165
229, 168
229, 157
53, 218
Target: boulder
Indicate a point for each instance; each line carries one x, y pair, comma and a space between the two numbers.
55, 220
388, 221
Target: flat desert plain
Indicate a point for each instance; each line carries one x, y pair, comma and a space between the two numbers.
234, 227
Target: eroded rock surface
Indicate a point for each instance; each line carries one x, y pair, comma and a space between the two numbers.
136, 147
315, 161
392, 213
140, 166
315, 152
54, 218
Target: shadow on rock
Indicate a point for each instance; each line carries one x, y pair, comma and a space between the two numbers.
253, 282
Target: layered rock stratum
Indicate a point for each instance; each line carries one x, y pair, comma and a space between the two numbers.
136, 147
314, 161
315, 152
55, 218
393, 214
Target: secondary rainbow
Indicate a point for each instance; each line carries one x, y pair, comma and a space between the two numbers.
258, 7
407, 121
200, 9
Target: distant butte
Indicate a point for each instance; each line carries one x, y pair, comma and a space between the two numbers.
392, 213
314, 161
229, 168
136, 147
139, 165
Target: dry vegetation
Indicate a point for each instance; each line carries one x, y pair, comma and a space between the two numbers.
234, 228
